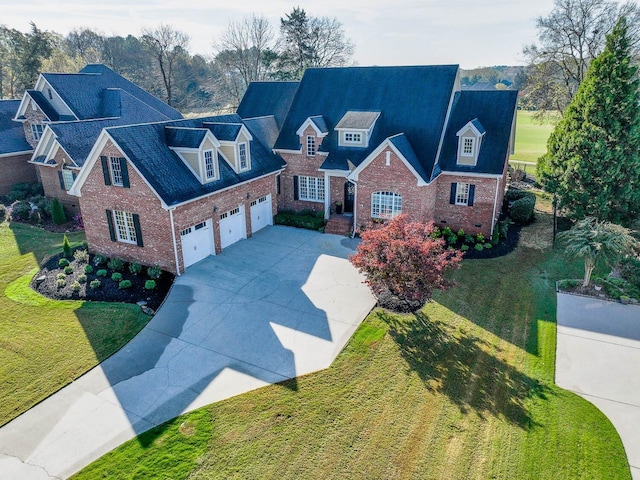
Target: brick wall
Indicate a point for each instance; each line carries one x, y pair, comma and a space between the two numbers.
14, 170
417, 202
51, 182
337, 191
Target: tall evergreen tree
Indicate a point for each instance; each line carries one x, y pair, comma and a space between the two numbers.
592, 162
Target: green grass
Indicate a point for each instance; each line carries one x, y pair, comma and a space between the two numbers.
45, 344
531, 137
462, 389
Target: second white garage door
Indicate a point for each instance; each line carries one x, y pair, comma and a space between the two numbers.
261, 213
233, 226
197, 242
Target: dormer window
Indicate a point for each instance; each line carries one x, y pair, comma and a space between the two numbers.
36, 130
469, 142
242, 156
311, 145
355, 128
209, 167
352, 137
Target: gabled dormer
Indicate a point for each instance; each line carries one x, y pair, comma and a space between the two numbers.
235, 144
355, 128
469, 142
311, 133
198, 149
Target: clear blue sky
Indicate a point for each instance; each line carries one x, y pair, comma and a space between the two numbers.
471, 33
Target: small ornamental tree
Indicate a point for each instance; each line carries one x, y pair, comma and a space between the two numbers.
57, 212
402, 260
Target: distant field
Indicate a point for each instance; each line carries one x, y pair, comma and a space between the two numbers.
531, 137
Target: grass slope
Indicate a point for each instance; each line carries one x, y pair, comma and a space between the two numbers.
531, 137
45, 344
463, 390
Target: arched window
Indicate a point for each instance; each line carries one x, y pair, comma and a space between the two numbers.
385, 204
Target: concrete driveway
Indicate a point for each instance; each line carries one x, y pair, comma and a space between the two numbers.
279, 305
598, 354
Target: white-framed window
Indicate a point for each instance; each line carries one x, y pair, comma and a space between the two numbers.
116, 171
385, 204
242, 154
352, 137
311, 188
311, 145
125, 228
67, 178
209, 170
467, 148
462, 194
36, 130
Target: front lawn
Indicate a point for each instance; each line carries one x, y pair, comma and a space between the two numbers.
462, 389
45, 344
531, 137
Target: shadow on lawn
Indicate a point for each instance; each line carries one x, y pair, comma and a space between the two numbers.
462, 367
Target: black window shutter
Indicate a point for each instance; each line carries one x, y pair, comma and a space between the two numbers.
61, 180
74, 176
452, 195
278, 184
136, 225
472, 191
296, 196
105, 170
112, 231
125, 172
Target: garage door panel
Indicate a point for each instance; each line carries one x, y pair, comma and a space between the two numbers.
197, 242
233, 226
261, 213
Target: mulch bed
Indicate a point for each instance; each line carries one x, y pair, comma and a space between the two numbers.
502, 248
108, 290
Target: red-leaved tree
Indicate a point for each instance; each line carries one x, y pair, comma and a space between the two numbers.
401, 259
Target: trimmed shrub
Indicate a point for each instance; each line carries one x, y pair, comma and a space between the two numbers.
469, 239
75, 286
487, 245
135, 268
20, 211
99, 260
43, 204
150, 285
61, 276
521, 210
61, 283
22, 191
68, 269
503, 227
82, 278
306, 219
480, 238
57, 212
3, 213
478, 247
66, 247
464, 247
94, 284
495, 235
154, 272
630, 270
116, 277
568, 284
115, 264
63, 262
88, 269
124, 284
101, 273
81, 256
452, 238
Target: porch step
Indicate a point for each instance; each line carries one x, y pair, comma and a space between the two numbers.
339, 225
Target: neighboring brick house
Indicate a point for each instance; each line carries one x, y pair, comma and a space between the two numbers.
388, 140
172, 193
64, 114
15, 151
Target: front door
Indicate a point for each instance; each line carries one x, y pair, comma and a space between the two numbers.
349, 196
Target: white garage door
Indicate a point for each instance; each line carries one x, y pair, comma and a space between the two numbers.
233, 226
261, 213
197, 242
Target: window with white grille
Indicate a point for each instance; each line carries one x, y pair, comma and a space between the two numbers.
209, 169
385, 204
462, 194
125, 227
311, 188
116, 171
311, 145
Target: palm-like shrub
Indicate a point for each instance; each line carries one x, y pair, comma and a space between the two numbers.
595, 241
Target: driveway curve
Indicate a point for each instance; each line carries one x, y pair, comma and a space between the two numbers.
278, 305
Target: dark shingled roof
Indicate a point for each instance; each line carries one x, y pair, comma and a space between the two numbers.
11, 133
495, 110
476, 123
224, 131
413, 101
44, 105
358, 120
184, 137
268, 98
319, 122
264, 129
84, 92
404, 147
146, 147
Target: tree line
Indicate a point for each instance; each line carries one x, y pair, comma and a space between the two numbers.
159, 61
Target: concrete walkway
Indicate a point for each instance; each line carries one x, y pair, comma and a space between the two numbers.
281, 304
598, 357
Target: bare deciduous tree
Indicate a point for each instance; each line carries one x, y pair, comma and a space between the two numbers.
329, 47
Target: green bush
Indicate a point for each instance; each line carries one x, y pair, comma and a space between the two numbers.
81, 256
43, 204
630, 270
487, 245
150, 285
135, 268
495, 235
68, 269
116, 277
61, 276
57, 212
116, 264
460, 233
617, 287
503, 227
521, 204
305, 219
568, 284
20, 211
464, 247
66, 247
94, 284
75, 286
3, 213
124, 284
22, 191
60, 283
88, 269
101, 273
82, 278
478, 247
469, 239
480, 238
99, 260
154, 272
452, 238
63, 262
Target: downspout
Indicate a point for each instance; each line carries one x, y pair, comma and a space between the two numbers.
175, 245
495, 203
327, 194
355, 206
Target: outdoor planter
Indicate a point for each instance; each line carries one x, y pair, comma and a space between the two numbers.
624, 300
338, 208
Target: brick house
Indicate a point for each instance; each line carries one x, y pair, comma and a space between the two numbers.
61, 118
380, 141
15, 152
173, 193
